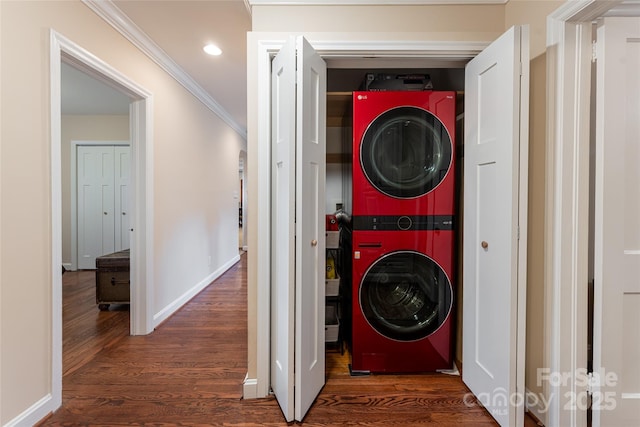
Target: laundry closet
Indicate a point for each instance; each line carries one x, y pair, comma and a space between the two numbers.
289, 75
407, 304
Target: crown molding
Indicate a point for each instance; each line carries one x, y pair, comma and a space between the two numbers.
108, 11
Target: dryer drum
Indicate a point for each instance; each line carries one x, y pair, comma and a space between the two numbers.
406, 152
405, 296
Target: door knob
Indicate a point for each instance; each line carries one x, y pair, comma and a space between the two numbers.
105, 213
314, 242
484, 245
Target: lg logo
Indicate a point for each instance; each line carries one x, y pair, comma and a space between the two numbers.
361, 97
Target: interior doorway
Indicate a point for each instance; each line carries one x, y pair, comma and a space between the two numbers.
242, 197
141, 220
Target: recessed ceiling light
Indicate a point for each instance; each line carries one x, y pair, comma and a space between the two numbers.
212, 49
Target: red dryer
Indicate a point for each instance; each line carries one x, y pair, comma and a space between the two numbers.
403, 231
403, 153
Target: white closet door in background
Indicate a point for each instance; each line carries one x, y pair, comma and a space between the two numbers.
122, 167
95, 179
102, 201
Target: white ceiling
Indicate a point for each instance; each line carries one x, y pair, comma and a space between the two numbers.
179, 29
82, 94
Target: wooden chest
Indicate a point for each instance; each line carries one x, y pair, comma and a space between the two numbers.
112, 279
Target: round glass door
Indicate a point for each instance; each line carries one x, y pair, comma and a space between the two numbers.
406, 152
405, 296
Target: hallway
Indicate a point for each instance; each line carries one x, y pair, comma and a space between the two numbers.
190, 372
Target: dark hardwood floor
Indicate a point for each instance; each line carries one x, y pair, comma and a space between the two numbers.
190, 372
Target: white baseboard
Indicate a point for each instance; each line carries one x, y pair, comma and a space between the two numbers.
68, 266
538, 411
166, 312
34, 414
249, 388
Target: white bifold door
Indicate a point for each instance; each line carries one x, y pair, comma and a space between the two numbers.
297, 228
495, 187
103, 174
495, 206
616, 346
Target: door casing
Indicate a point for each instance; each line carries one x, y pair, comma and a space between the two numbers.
141, 124
569, 55
265, 46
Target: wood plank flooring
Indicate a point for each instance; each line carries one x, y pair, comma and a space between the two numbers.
190, 372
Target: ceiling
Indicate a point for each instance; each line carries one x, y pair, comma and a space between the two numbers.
177, 30
180, 28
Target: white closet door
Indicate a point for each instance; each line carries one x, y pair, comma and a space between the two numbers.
95, 192
283, 163
494, 265
310, 232
297, 200
122, 166
616, 347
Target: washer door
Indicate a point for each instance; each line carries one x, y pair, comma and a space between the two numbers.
406, 152
405, 296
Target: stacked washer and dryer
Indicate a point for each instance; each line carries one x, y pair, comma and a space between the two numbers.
403, 230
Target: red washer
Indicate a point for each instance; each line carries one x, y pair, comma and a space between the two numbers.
403, 153
402, 300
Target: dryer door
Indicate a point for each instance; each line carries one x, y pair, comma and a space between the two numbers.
406, 152
405, 296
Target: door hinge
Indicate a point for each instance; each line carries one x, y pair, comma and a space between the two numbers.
594, 51
590, 383
518, 233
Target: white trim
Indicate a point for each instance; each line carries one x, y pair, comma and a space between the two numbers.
523, 203
34, 414
327, 49
142, 236
250, 388
451, 50
73, 194
567, 197
368, 2
176, 304
263, 259
566, 262
141, 163
55, 51
108, 11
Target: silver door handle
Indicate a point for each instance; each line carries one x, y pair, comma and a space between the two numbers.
314, 242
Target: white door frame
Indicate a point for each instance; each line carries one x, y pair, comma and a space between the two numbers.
141, 124
569, 53
74, 192
267, 45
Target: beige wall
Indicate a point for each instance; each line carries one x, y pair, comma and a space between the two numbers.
83, 128
535, 13
455, 23
195, 176
381, 20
